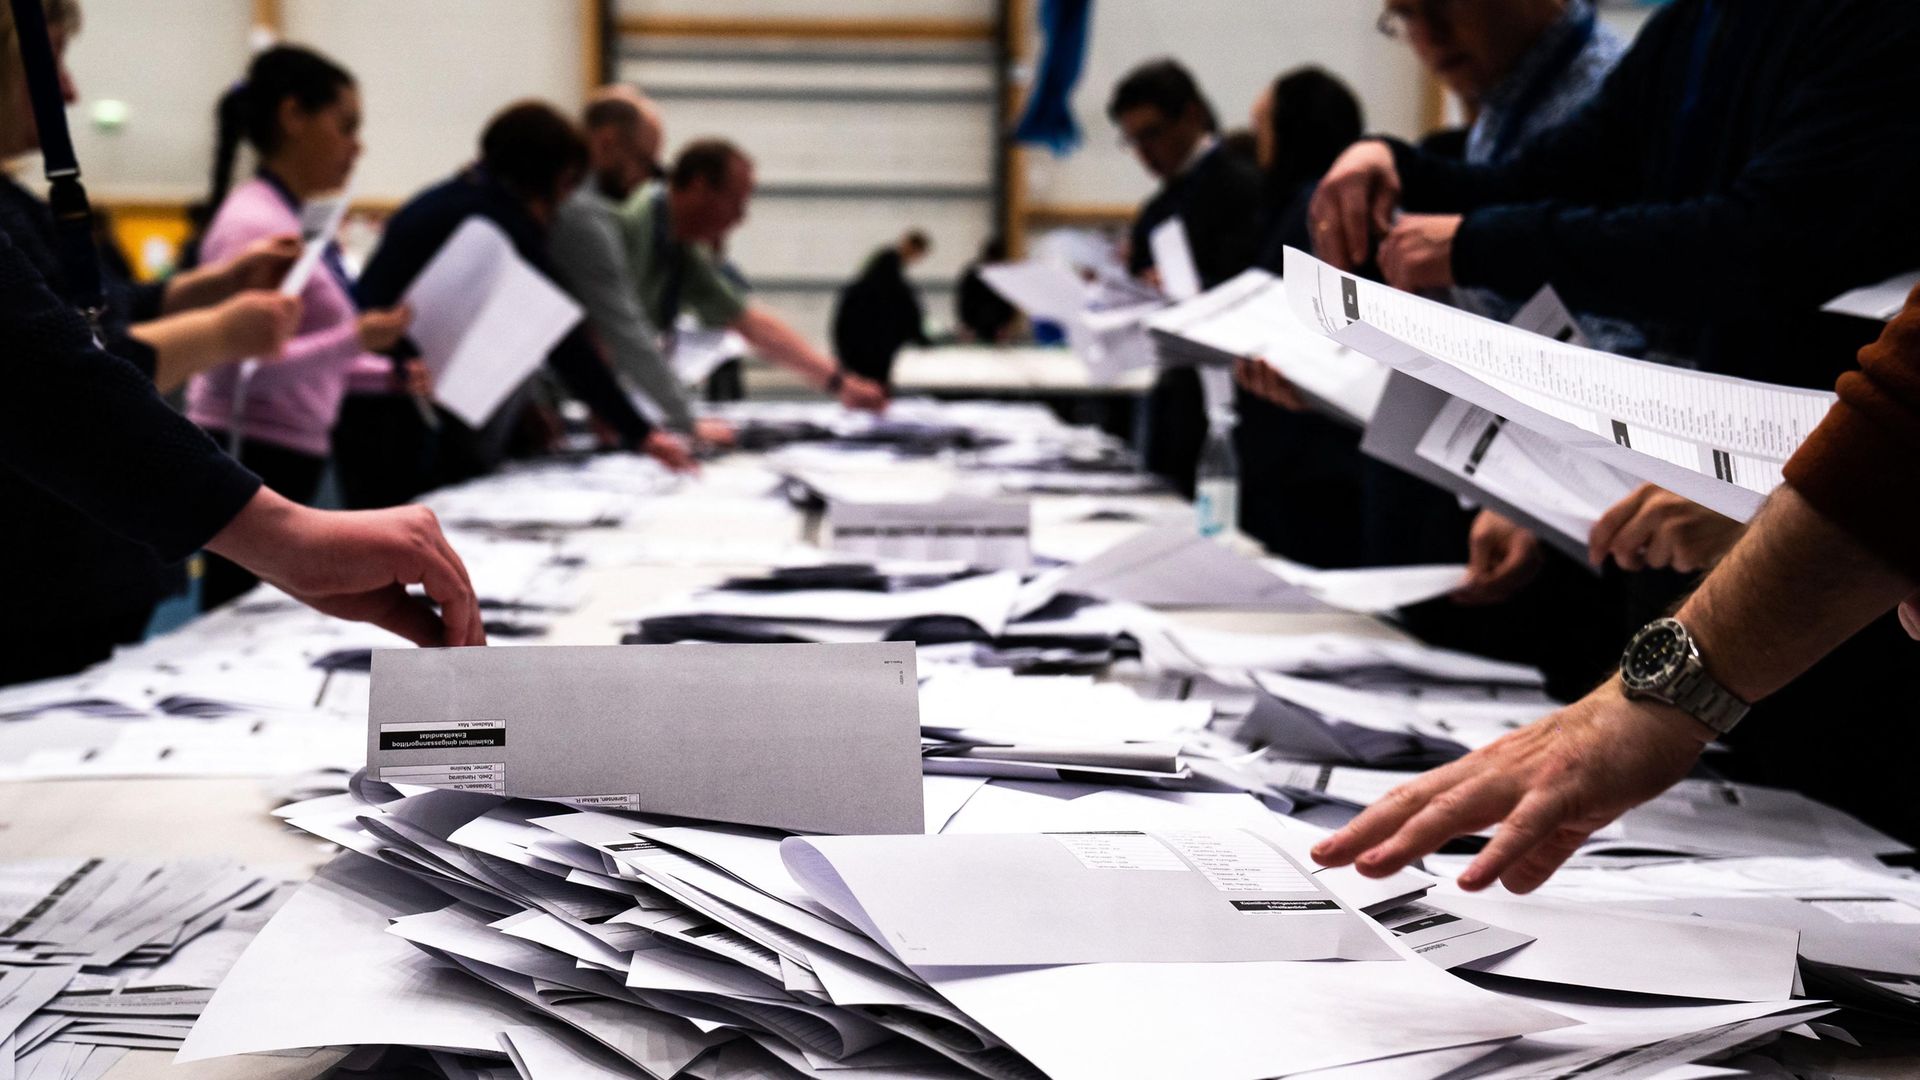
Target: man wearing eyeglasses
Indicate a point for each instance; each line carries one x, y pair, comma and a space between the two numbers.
1216, 195
1521, 68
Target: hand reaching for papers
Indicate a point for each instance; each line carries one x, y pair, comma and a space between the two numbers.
1549, 786
862, 394
357, 566
261, 264
1356, 199
1417, 254
412, 377
713, 431
1654, 529
672, 451
380, 331
257, 324
1259, 378
1502, 558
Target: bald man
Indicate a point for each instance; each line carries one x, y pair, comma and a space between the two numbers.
624, 133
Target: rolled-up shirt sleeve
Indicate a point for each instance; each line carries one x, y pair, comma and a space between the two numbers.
1861, 467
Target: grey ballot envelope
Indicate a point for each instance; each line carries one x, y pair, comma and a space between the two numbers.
811, 738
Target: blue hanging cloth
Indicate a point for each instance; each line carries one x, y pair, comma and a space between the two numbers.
1048, 120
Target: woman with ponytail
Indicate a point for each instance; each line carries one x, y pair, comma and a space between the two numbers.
299, 114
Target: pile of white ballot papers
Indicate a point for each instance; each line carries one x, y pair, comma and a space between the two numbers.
885, 820
721, 861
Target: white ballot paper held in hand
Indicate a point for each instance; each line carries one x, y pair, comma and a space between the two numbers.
1249, 318
484, 320
813, 738
1719, 441
1009, 900
1173, 258
1880, 302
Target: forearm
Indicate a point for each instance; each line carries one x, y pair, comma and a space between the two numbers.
1791, 591
780, 343
588, 378
184, 345
198, 288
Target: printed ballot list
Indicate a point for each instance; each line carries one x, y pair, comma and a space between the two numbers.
1717, 440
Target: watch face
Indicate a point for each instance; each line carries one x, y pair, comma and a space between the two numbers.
1656, 656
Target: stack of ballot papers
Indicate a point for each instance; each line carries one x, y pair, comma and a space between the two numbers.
98, 956
1008, 940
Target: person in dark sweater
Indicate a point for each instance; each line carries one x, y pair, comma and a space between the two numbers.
879, 313
146, 477
1745, 162
1300, 478
1216, 196
531, 159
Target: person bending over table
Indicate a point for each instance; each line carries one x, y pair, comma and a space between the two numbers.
1832, 550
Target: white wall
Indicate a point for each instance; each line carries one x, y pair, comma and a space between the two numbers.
1234, 48
432, 72
169, 60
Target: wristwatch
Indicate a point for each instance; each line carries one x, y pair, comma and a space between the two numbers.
836, 381
1662, 663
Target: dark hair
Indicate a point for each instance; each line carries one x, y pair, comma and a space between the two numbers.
1163, 85
706, 160
612, 112
531, 149
250, 111
1315, 117
918, 240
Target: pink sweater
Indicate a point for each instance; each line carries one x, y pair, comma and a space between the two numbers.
292, 402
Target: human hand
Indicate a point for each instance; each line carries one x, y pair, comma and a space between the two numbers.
1549, 786
380, 331
1910, 616
257, 324
1654, 529
715, 432
1258, 378
356, 565
670, 450
1417, 254
262, 264
1356, 199
862, 394
412, 377
1502, 558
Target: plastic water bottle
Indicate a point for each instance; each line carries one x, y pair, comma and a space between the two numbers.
1216, 487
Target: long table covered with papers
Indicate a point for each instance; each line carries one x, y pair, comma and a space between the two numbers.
928, 747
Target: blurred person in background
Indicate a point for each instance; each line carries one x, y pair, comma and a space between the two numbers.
879, 312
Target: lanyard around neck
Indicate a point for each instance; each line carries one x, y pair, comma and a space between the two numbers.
72, 213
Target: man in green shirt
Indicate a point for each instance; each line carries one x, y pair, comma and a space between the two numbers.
589, 252
673, 230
